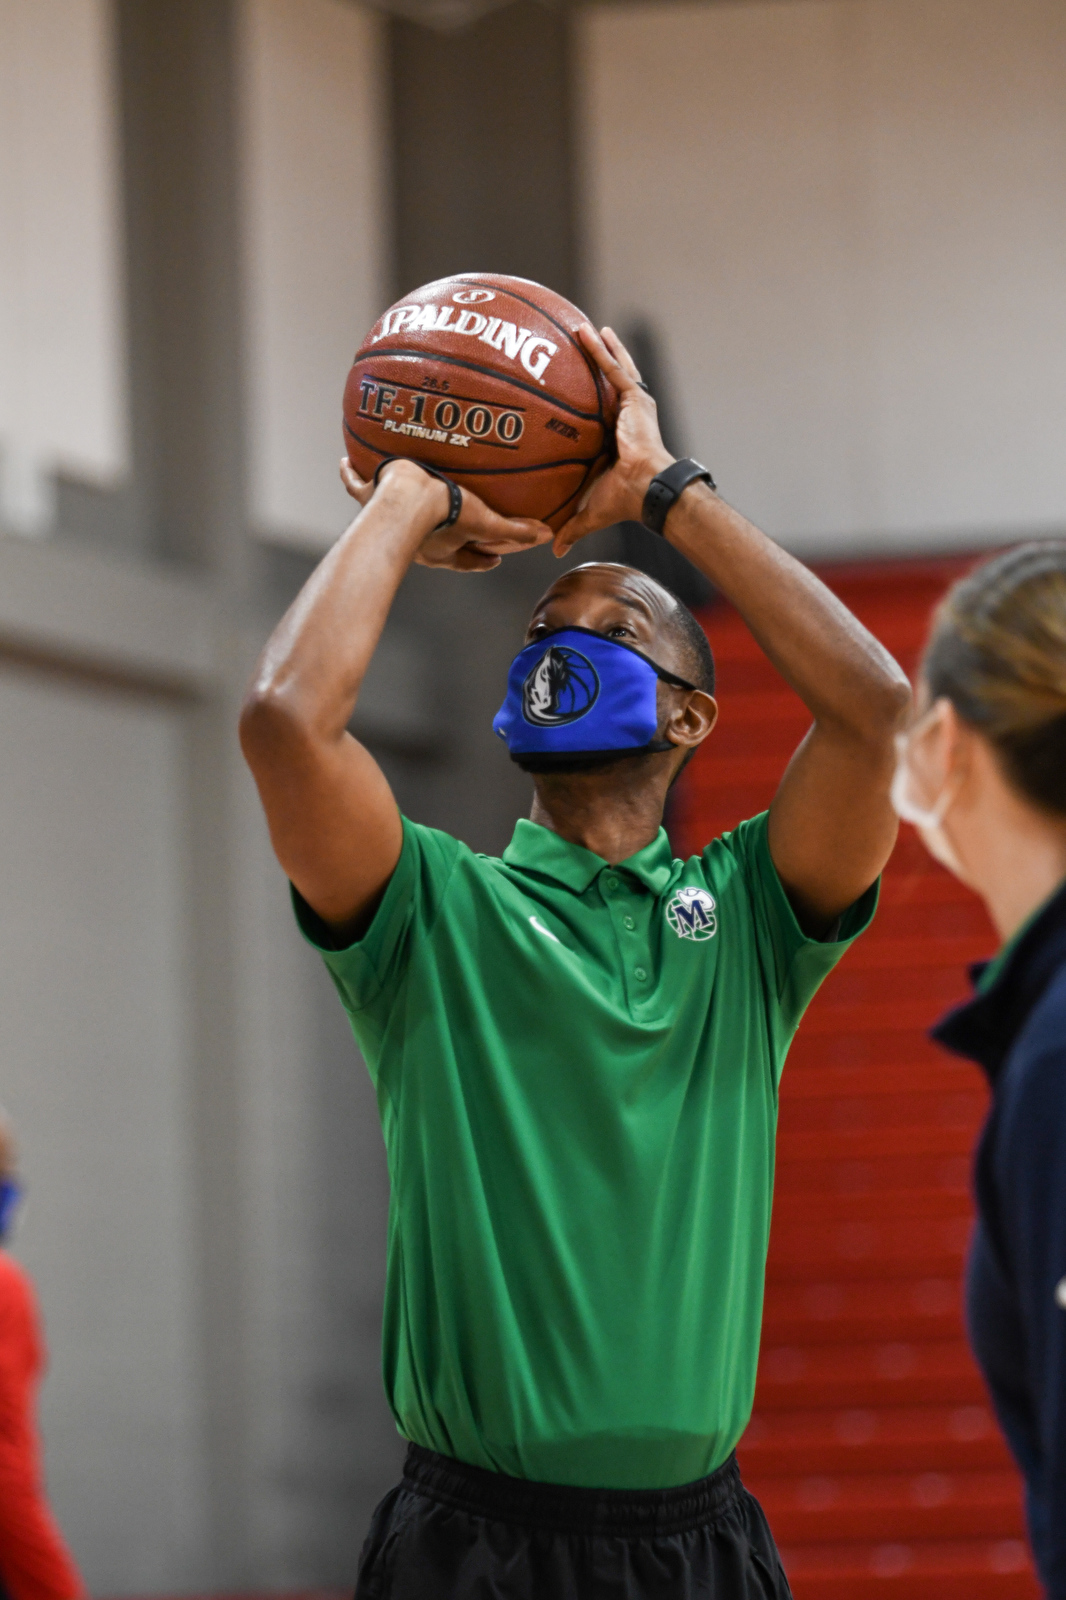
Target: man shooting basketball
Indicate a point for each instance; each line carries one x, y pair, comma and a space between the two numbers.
577, 1048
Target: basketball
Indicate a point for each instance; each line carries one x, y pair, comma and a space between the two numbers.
482, 377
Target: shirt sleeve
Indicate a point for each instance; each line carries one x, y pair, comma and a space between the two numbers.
795, 965
34, 1562
370, 972
1031, 1180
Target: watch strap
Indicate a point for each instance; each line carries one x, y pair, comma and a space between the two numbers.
455, 494
667, 487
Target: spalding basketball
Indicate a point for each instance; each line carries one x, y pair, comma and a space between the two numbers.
481, 376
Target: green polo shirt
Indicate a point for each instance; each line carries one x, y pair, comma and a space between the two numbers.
576, 1068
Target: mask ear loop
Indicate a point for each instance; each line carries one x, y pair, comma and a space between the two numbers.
619, 644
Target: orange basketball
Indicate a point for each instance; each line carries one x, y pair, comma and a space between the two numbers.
481, 376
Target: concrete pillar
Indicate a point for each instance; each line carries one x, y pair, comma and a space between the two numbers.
178, 118
484, 179
483, 175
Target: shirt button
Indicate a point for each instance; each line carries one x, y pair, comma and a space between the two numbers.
628, 922
640, 973
612, 883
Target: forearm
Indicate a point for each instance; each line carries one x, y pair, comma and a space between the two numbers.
846, 679
843, 675
311, 670
831, 825
334, 822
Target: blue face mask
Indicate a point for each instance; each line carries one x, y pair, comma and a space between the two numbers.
576, 699
10, 1195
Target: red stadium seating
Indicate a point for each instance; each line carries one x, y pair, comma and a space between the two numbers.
872, 1447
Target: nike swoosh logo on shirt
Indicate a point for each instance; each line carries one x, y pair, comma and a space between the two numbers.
535, 922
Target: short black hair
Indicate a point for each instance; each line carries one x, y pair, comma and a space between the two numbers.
695, 646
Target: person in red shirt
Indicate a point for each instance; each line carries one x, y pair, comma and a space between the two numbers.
34, 1561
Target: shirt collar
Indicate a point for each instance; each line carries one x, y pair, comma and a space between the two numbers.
1007, 989
537, 849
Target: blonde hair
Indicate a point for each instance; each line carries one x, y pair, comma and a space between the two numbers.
998, 652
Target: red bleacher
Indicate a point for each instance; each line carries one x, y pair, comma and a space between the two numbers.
872, 1447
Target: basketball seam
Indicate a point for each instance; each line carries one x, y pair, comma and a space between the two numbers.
486, 372
593, 371
570, 497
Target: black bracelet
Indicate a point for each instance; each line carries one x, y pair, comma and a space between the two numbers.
455, 494
667, 487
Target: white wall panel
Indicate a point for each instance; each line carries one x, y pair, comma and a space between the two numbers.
62, 348
94, 1070
845, 220
312, 71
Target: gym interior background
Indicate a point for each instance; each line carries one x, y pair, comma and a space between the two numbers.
834, 231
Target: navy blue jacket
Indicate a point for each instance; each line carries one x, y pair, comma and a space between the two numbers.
1016, 1278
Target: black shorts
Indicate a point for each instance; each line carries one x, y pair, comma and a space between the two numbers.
450, 1532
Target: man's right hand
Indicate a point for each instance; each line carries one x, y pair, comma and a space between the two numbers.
475, 543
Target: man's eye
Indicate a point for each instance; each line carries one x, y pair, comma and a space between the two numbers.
618, 630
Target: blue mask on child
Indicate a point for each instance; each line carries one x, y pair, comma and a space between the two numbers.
10, 1195
576, 699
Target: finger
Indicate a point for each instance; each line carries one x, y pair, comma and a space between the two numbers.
354, 483
570, 532
585, 519
468, 558
503, 547
463, 559
620, 353
490, 528
516, 534
613, 370
537, 533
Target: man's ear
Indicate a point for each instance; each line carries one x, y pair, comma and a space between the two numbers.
692, 721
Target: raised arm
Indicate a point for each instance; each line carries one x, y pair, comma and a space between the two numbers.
333, 821
831, 825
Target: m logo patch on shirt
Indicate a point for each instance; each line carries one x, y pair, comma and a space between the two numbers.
691, 914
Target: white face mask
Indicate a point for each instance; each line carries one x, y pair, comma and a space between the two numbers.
927, 820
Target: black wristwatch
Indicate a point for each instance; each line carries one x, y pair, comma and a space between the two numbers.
668, 487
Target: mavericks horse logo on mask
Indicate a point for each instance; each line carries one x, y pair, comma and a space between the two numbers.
691, 914
562, 687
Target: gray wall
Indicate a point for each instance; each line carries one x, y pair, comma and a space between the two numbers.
94, 1039
856, 256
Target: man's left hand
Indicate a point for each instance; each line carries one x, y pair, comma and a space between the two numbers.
617, 495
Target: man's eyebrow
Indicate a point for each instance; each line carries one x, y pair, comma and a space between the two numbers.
619, 595
632, 600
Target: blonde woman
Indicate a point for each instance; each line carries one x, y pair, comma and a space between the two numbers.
982, 775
